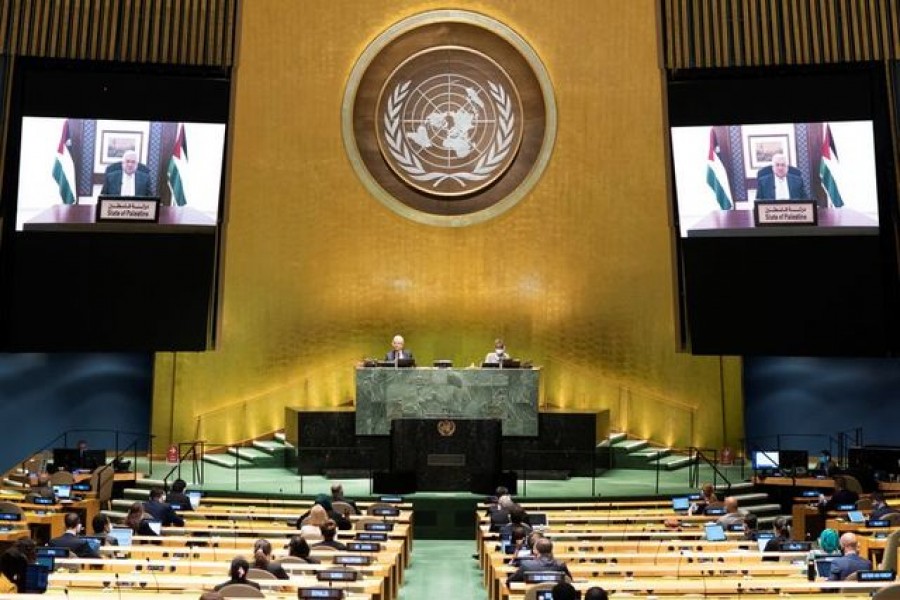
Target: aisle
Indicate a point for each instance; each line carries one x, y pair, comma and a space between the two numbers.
443, 569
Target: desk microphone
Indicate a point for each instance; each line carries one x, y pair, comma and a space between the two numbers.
152, 572
118, 587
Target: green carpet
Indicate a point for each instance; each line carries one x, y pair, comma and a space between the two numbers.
443, 569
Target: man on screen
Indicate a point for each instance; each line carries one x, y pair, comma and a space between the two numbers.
127, 178
780, 182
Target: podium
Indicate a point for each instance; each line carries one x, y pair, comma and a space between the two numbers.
448, 454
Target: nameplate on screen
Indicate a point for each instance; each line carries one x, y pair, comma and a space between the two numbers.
128, 210
785, 213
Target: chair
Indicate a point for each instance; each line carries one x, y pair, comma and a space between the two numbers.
864, 504
344, 508
889, 557
531, 591
893, 519
240, 590
10, 508
62, 478
102, 479
257, 573
293, 560
891, 592
852, 484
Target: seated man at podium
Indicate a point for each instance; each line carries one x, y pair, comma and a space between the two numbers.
780, 182
127, 178
398, 352
498, 354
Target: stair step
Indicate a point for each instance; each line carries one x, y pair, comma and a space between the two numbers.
281, 437
762, 509
613, 439
629, 446
651, 453
227, 461
135, 494
270, 447
749, 498
673, 462
250, 454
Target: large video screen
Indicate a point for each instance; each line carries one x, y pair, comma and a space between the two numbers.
722, 171
72, 161
784, 210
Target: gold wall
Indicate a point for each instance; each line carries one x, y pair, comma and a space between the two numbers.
317, 274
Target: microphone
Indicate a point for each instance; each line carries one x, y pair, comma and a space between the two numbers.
153, 573
118, 587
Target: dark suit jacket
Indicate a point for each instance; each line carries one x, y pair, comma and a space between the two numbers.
538, 563
765, 187
330, 544
78, 546
847, 564
879, 513
163, 512
112, 184
392, 355
181, 500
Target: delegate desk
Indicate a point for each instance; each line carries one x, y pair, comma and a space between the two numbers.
82, 217
832, 221
384, 394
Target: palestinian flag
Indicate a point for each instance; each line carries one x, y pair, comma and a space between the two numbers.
64, 168
178, 168
716, 176
829, 170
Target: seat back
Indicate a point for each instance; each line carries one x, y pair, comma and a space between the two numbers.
344, 508
102, 479
240, 590
853, 484
257, 573
62, 478
891, 592
889, 558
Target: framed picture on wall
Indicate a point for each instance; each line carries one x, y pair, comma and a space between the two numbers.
762, 142
114, 144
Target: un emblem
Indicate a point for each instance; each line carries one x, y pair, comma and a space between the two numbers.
452, 122
437, 129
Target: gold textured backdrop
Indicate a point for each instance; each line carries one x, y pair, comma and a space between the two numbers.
578, 277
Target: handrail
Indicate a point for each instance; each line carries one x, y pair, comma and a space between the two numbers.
699, 454
117, 434
183, 456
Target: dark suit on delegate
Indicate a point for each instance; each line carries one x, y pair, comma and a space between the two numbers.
78, 546
163, 513
847, 564
881, 511
538, 563
765, 187
179, 500
399, 355
112, 183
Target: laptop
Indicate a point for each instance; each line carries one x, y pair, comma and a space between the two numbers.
194, 497
36, 578
681, 503
714, 533
537, 519
122, 535
823, 567
63, 492
47, 560
856, 516
762, 538
156, 526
